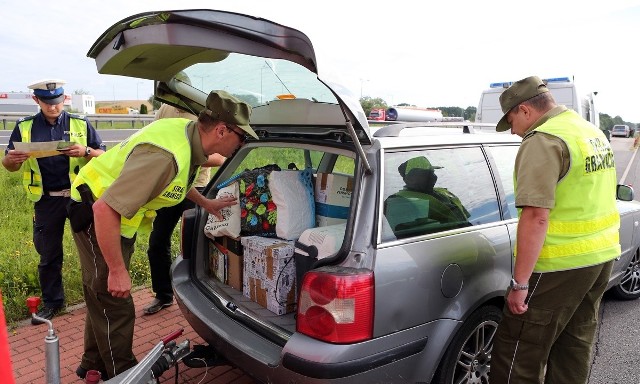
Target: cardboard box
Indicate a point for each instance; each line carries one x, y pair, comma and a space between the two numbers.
269, 273
233, 245
234, 270
233, 264
267, 296
333, 197
217, 263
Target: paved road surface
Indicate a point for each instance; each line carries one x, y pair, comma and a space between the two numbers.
616, 358
28, 355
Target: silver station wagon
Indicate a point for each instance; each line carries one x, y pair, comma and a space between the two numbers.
357, 254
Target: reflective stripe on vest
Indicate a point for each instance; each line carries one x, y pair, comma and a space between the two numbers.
584, 224
31, 175
99, 174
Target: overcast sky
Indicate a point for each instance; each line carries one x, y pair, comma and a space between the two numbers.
438, 53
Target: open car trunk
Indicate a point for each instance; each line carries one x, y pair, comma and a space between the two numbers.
294, 199
311, 138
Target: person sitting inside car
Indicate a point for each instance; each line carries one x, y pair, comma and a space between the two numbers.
420, 202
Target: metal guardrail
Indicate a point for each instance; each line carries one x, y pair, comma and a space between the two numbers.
97, 120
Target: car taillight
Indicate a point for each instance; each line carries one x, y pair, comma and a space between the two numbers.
336, 307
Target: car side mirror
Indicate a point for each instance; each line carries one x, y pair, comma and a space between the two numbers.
624, 192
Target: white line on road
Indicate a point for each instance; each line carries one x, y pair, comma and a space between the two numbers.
626, 171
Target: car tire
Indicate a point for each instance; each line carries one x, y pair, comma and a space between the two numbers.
629, 286
468, 357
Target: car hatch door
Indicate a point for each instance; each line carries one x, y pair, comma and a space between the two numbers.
264, 61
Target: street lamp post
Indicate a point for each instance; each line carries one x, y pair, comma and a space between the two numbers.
201, 81
361, 82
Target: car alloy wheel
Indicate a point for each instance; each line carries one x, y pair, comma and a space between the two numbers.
629, 286
468, 358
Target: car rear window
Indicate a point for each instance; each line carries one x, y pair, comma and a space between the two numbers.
297, 158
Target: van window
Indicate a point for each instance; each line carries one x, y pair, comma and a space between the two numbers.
505, 157
436, 190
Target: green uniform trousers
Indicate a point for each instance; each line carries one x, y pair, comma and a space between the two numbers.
551, 343
109, 325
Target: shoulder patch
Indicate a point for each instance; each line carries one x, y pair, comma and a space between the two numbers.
26, 118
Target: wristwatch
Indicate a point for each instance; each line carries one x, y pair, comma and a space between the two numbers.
87, 151
518, 287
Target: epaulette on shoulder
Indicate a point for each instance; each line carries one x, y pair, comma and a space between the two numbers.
26, 118
76, 116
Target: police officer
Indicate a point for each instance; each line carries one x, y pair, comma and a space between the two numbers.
565, 186
166, 155
47, 180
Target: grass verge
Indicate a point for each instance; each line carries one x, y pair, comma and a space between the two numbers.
19, 259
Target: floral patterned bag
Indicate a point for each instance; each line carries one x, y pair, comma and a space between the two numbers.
258, 213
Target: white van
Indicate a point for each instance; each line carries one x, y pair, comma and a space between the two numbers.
563, 90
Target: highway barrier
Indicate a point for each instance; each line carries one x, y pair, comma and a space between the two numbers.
97, 120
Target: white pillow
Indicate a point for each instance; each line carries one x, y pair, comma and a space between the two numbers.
230, 223
292, 193
327, 239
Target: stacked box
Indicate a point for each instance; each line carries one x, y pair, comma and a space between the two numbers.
333, 197
269, 273
233, 260
217, 263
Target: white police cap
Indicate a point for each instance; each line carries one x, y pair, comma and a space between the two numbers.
50, 91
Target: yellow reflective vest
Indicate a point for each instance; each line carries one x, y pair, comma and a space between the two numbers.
31, 175
99, 174
584, 224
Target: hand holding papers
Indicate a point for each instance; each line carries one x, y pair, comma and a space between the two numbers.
43, 149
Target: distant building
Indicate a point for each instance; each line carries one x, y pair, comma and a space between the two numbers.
21, 102
83, 104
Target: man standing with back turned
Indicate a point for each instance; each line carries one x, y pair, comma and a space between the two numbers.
565, 183
152, 169
47, 180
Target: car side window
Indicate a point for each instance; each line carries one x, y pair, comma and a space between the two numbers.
436, 190
504, 157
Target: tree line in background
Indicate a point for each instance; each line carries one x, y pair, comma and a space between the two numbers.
368, 103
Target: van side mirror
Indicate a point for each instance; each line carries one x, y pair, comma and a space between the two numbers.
624, 192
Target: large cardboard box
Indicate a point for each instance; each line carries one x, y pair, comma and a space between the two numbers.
232, 250
269, 273
333, 197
